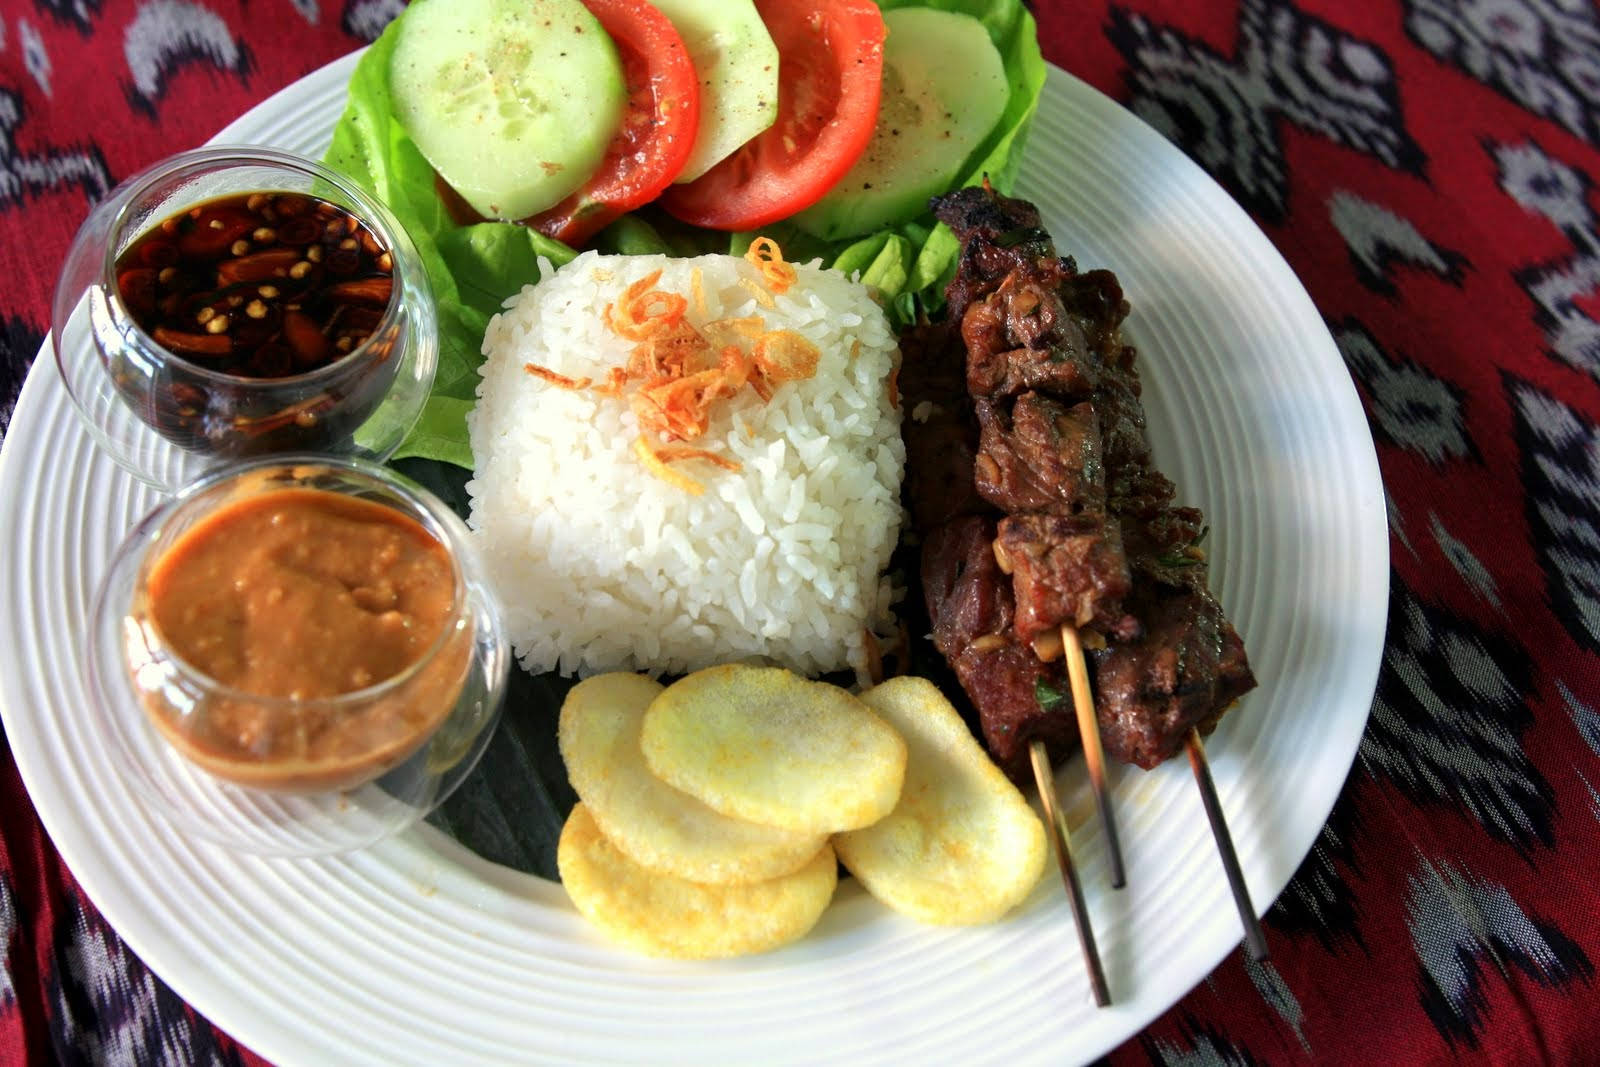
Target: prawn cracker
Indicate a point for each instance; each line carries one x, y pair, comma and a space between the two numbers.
962, 846
653, 824
662, 915
764, 744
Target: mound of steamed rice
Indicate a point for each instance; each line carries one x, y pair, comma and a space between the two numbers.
601, 565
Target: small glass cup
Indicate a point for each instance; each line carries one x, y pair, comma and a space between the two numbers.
167, 417
386, 755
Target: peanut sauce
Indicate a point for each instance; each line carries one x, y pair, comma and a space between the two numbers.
299, 595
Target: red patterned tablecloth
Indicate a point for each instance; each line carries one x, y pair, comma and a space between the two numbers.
1428, 169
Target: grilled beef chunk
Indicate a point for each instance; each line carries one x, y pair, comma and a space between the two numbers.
1020, 700
1036, 319
970, 605
1023, 311
978, 211
1164, 546
1125, 444
1003, 373
1065, 569
1183, 671
1013, 233
1095, 298
1039, 455
1019, 338
1064, 553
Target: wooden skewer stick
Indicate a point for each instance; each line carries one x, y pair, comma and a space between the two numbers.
1061, 845
1093, 755
1255, 940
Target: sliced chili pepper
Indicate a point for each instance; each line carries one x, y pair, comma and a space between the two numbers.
208, 345
364, 290
359, 320
301, 333
214, 231
138, 289
158, 254
301, 231
272, 361
343, 260
266, 265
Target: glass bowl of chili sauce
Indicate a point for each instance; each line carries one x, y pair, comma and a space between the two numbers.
232, 302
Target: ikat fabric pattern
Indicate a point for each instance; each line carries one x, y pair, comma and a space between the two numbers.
1317, 902
1563, 291
1289, 66
1428, 168
1381, 243
1540, 53
1561, 466
1448, 719
1410, 406
1462, 927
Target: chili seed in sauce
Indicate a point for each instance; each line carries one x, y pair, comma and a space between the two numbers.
310, 279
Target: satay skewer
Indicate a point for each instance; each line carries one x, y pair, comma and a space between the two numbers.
1255, 940
1093, 754
1061, 845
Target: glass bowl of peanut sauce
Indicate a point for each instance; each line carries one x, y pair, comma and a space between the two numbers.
231, 302
297, 655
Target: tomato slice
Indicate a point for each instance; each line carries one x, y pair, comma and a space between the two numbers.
830, 67
658, 127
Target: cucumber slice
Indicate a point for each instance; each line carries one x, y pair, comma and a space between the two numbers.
944, 88
512, 101
737, 65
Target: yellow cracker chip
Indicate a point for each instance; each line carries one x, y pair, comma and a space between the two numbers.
662, 915
654, 824
764, 744
962, 846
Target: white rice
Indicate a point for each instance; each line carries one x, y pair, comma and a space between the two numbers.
601, 565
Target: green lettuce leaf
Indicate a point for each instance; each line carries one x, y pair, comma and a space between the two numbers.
494, 260
473, 269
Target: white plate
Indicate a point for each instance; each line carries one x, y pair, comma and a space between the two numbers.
416, 951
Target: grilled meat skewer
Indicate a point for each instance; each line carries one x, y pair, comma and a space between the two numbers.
1079, 517
1062, 485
